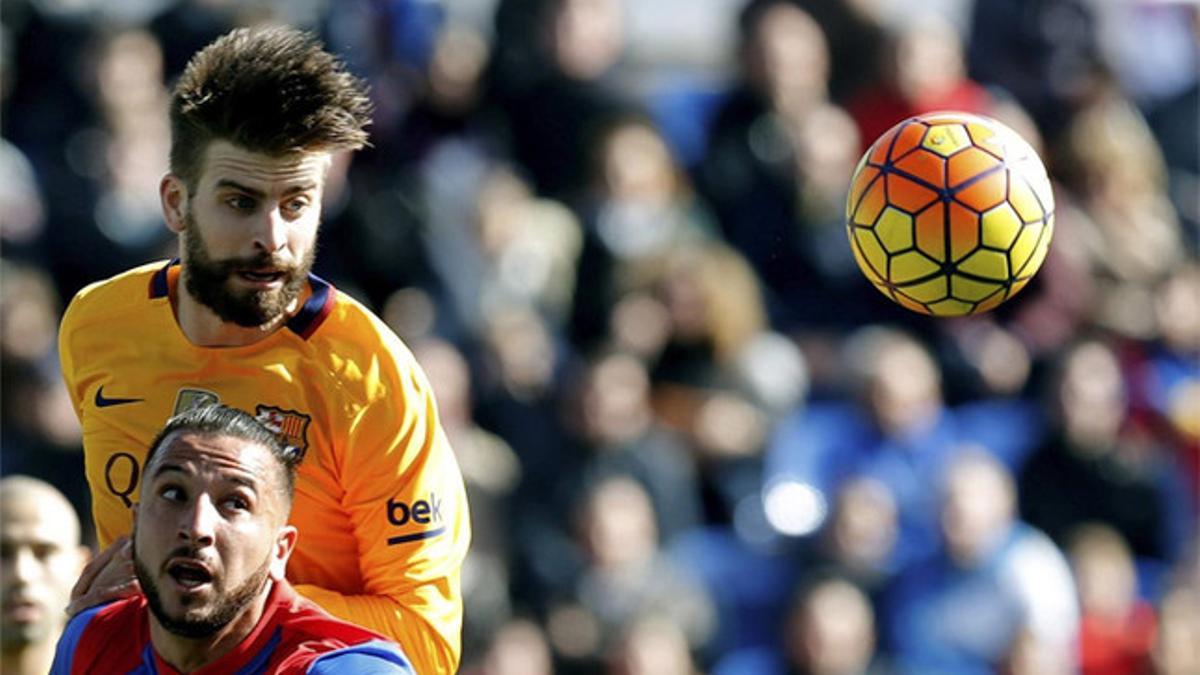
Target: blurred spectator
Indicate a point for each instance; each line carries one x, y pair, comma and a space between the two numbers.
1164, 375
1173, 121
518, 400
29, 313
619, 434
1117, 629
561, 92
779, 157
41, 433
20, 198
652, 646
860, 537
750, 172
706, 383
963, 609
521, 250
1044, 52
640, 207
896, 429
829, 630
626, 576
1114, 168
519, 647
41, 557
1175, 652
1086, 470
925, 71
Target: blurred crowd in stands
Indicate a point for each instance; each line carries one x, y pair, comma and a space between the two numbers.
695, 438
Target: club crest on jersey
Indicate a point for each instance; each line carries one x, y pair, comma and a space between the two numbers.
290, 424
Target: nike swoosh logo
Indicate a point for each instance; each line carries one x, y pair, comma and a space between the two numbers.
102, 402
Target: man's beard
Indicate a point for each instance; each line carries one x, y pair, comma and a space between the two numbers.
226, 607
207, 281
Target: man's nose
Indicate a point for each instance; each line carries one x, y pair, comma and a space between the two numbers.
24, 566
198, 523
272, 231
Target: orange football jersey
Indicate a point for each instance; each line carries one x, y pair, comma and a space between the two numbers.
380, 503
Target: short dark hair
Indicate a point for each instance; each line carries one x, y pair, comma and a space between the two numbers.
269, 90
222, 420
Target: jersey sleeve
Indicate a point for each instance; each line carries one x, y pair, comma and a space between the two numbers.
408, 509
371, 658
68, 642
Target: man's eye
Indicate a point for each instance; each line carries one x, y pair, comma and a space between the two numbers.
237, 504
296, 206
241, 203
172, 494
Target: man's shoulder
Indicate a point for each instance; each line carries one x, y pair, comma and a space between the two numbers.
99, 300
353, 332
112, 618
109, 635
317, 642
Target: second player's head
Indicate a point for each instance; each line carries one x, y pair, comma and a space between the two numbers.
211, 527
255, 119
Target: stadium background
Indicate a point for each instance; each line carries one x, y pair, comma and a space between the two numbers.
611, 232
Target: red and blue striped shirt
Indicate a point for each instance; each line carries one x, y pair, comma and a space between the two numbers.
294, 636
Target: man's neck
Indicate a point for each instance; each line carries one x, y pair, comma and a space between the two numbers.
204, 328
190, 654
34, 658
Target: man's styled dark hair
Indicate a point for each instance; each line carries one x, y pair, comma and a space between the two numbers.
269, 90
222, 420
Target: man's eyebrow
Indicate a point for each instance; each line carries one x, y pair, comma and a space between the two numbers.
232, 478
253, 192
259, 194
163, 468
241, 480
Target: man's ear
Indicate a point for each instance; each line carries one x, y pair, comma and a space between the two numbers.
173, 194
285, 543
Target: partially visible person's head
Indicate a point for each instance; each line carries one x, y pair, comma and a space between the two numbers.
978, 505
519, 647
1175, 651
1104, 572
40, 558
585, 37
1091, 397
831, 629
615, 399
651, 645
865, 525
450, 376
927, 58
211, 529
634, 163
255, 119
895, 377
785, 54
618, 523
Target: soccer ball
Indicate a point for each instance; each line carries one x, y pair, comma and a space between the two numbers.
950, 213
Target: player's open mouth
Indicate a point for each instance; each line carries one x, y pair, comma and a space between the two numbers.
261, 276
189, 574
